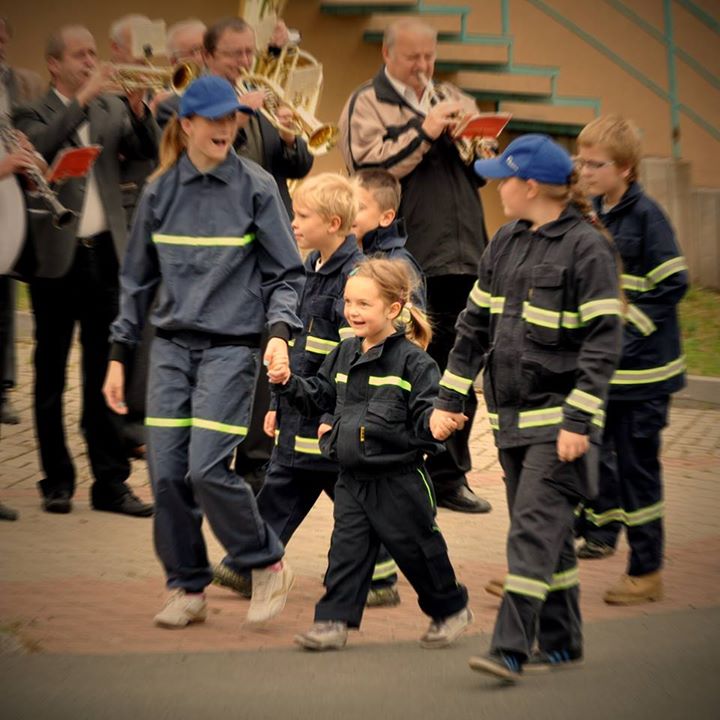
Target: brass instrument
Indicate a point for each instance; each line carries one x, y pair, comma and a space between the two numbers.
60, 214
150, 77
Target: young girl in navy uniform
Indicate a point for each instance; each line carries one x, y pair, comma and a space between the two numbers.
544, 322
379, 387
211, 235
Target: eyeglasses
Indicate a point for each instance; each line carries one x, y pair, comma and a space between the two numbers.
591, 164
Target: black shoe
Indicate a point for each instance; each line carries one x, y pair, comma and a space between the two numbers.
504, 666
8, 414
463, 499
57, 501
7, 513
127, 504
554, 660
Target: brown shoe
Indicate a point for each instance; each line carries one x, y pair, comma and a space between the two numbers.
495, 587
635, 589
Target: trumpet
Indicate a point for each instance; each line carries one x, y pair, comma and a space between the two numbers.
320, 137
61, 215
150, 77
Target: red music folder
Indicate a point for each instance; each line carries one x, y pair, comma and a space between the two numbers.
484, 125
73, 163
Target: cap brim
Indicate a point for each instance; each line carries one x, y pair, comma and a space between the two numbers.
493, 168
218, 110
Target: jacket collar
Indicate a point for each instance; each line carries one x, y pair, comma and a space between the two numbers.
386, 93
383, 239
223, 172
377, 350
337, 259
569, 218
629, 198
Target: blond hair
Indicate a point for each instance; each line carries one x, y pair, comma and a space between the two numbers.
396, 283
329, 195
382, 185
618, 137
173, 144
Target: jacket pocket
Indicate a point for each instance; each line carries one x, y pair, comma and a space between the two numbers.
543, 311
328, 441
385, 428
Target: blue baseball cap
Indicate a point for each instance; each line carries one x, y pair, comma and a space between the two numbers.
211, 97
530, 157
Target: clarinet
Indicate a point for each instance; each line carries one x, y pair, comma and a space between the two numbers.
61, 216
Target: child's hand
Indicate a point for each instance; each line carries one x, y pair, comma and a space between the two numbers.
443, 423
571, 446
270, 423
277, 361
114, 387
323, 428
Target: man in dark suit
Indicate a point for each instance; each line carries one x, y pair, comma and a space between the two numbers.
75, 269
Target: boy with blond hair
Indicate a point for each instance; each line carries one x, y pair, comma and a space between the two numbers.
652, 366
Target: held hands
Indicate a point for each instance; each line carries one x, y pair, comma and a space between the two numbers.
114, 387
571, 446
443, 423
440, 117
270, 423
285, 118
277, 361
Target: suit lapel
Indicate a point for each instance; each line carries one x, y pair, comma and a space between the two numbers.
97, 116
53, 104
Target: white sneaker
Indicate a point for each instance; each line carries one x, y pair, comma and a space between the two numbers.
324, 635
270, 589
442, 633
182, 609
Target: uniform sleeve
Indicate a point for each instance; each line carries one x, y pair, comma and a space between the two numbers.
281, 269
293, 162
139, 278
424, 377
600, 315
472, 339
49, 138
140, 136
369, 144
315, 395
666, 279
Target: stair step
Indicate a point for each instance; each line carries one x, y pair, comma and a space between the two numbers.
355, 7
503, 83
528, 117
450, 53
446, 24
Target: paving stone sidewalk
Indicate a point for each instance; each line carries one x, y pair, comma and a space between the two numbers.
89, 582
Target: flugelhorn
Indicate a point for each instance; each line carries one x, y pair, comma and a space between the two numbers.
151, 77
60, 214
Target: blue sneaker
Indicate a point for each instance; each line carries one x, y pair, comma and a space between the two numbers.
504, 666
554, 660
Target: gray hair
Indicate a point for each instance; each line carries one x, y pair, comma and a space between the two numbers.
55, 45
406, 24
176, 28
125, 23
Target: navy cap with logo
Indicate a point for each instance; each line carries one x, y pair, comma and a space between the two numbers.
211, 97
530, 157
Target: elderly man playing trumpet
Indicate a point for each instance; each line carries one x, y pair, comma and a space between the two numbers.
76, 278
402, 122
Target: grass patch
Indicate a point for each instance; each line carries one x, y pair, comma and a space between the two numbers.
700, 324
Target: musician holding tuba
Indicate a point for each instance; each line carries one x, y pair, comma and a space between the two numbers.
393, 122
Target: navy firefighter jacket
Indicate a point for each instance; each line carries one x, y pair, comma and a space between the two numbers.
655, 278
544, 320
324, 326
218, 248
380, 403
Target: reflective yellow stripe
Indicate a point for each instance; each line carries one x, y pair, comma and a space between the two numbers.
640, 320
571, 320
384, 570
307, 445
633, 519
636, 283
196, 422
599, 418
584, 401
455, 382
649, 375
340, 378
319, 346
600, 519
291, 343
376, 381
564, 580
346, 333
480, 297
526, 586
497, 305
666, 269
203, 241
427, 487
540, 418
541, 316
494, 420
595, 308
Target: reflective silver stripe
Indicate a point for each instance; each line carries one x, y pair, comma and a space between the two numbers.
649, 375
633, 519
640, 320
666, 269
480, 297
307, 445
319, 346
455, 382
161, 239
599, 419
600, 519
564, 580
384, 570
526, 586
340, 378
571, 320
346, 333
497, 305
376, 381
196, 422
595, 308
541, 316
584, 401
494, 420
637, 283
540, 418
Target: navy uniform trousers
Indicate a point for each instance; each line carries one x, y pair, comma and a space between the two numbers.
541, 599
630, 491
199, 399
398, 511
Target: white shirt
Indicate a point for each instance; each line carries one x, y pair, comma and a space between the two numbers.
410, 96
92, 218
